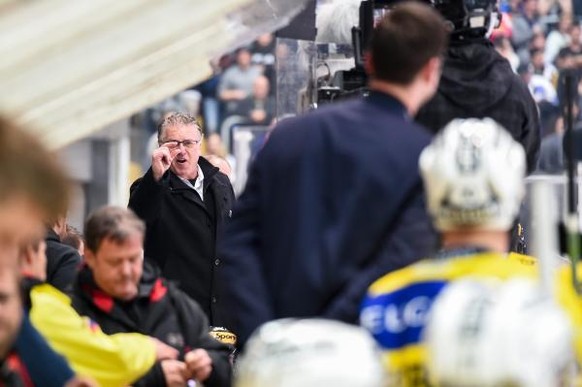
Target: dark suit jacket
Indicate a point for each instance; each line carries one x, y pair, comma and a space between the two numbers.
182, 231
333, 201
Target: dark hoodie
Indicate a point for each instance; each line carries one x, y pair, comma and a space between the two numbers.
160, 310
478, 82
62, 263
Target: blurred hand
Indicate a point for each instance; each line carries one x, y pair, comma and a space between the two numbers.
174, 372
198, 364
164, 351
161, 161
258, 115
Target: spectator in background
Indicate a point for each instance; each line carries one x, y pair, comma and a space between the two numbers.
543, 85
525, 25
552, 148
537, 42
570, 58
263, 55
505, 28
62, 260
552, 8
540, 67
540, 88
74, 238
552, 151
222, 165
259, 107
210, 105
503, 46
544, 94
215, 147
558, 38
236, 82
289, 65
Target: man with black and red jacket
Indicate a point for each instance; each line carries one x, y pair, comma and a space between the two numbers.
121, 293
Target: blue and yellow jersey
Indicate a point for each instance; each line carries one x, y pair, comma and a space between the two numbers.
396, 306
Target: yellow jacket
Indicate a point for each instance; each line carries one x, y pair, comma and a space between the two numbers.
111, 360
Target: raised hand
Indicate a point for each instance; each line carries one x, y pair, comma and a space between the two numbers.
162, 159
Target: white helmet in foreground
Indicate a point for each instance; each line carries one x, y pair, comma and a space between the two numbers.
473, 173
310, 353
479, 334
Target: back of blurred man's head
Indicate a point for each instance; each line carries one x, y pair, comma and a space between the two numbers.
405, 40
33, 188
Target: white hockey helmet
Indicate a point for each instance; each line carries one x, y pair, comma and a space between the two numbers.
473, 173
309, 353
490, 334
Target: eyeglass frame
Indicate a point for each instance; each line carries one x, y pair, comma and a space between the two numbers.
178, 143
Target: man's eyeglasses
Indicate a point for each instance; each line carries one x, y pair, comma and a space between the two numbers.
175, 143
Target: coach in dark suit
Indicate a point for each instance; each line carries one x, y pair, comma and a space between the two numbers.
184, 201
334, 199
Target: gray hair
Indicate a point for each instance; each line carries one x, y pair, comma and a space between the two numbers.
111, 222
176, 119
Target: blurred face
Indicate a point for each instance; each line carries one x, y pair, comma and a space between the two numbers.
282, 51
265, 39
530, 6
538, 60
20, 222
10, 309
243, 58
261, 88
575, 34
539, 41
117, 267
214, 144
185, 162
564, 24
